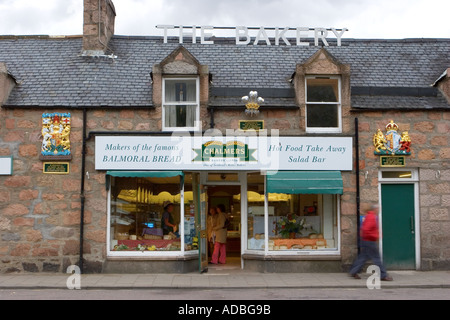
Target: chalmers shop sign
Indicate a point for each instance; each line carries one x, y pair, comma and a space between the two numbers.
222, 153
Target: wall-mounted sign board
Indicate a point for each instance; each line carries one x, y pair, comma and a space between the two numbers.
6, 166
246, 125
223, 153
56, 167
392, 161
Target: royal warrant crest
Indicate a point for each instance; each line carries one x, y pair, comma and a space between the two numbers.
392, 143
55, 134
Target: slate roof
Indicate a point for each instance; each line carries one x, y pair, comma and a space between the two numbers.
52, 73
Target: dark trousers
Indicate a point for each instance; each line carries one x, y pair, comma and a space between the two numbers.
369, 251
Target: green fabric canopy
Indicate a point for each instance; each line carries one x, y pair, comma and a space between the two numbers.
143, 174
305, 182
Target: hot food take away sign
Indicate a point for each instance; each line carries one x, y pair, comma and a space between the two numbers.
222, 153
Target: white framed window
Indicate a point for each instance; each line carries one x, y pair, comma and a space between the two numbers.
181, 104
142, 212
270, 215
323, 104
397, 175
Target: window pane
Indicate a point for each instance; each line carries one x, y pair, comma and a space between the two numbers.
138, 218
180, 116
255, 216
396, 174
322, 90
180, 90
322, 116
302, 222
190, 241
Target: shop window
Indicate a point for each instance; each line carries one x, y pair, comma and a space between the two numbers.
323, 104
296, 222
180, 104
137, 214
302, 222
255, 211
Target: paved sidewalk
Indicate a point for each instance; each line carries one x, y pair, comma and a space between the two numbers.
223, 280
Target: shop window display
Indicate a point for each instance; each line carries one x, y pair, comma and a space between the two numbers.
255, 211
295, 221
302, 222
138, 210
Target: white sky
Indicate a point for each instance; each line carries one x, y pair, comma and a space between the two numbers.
386, 19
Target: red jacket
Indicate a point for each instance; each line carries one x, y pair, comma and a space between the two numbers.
369, 230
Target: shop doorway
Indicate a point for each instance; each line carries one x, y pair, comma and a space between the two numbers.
398, 226
224, 189
227, 197
398, 220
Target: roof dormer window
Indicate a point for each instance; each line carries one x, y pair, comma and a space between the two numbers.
323, 104
180, 104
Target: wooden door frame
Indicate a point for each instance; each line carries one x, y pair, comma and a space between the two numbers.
242, 183
415, 181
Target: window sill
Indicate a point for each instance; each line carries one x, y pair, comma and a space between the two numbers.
298, 255
324, 130
154, 256
190, 129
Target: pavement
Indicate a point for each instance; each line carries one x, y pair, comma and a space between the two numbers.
220, 278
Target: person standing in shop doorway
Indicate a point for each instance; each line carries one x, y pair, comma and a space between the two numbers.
220, 230
211, 234
369, 245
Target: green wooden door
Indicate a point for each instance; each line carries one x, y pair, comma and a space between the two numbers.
397, 201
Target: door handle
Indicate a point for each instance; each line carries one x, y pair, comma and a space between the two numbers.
412, 224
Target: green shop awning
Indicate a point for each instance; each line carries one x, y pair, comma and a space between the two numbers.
145, 174
305, 182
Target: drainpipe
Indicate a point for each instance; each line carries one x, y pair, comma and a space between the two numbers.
82, 195
358, 213
211, 124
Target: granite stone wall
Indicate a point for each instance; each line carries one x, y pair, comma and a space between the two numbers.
40, 213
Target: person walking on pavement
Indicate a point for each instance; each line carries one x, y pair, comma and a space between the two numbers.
220, 230
369, 246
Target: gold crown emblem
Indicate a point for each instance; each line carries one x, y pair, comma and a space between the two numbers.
391, 126
252, 105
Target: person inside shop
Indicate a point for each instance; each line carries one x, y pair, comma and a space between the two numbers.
220, 230
209, 225
369, 246
168, 221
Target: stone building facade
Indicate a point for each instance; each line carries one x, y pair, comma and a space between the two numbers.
113, 86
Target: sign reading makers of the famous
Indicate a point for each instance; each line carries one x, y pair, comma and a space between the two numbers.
222, 153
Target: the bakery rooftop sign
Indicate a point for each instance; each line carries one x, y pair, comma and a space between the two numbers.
256, 35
